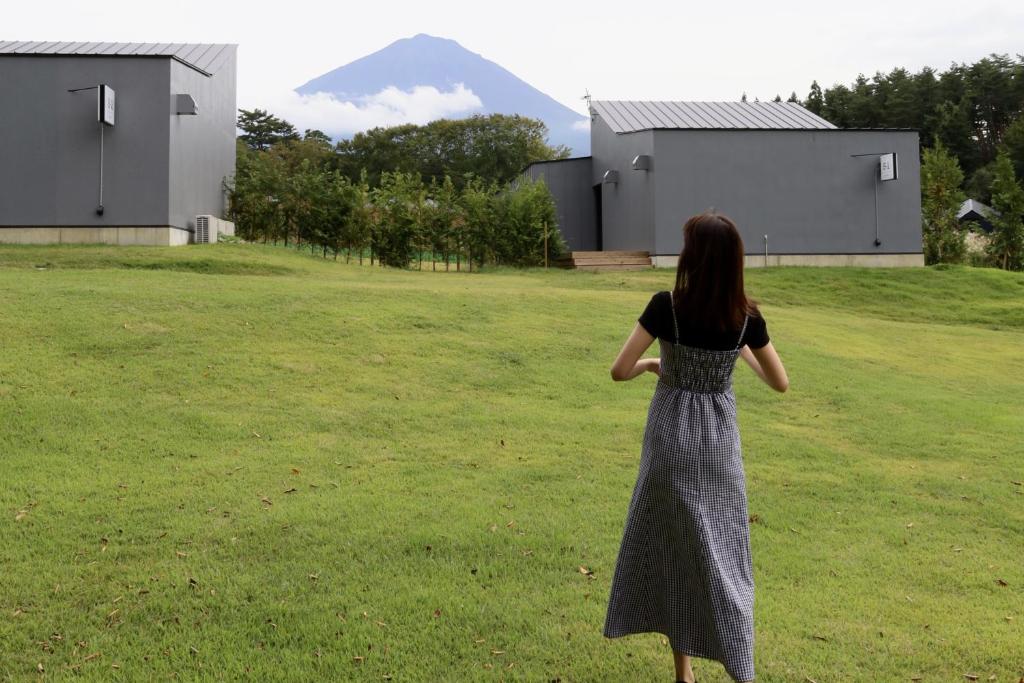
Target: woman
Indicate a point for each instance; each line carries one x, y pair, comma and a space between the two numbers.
684, 566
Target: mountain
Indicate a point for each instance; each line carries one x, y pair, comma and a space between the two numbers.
442, 64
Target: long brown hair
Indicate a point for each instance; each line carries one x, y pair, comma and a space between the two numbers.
709, 277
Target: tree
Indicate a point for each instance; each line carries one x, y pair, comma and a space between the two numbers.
778, 98
359, 230
314, 135
1013, 142
979, 185
941, 197
493, 147
815, 101
525, 212
444, 217
260, 129
1006, 246
396, 200
254, 195
477, 235
793, 98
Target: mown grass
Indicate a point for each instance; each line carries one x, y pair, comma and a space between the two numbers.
243, 462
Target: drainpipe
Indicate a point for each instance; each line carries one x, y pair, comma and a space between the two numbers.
766, 251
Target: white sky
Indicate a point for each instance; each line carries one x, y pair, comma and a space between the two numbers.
678, 50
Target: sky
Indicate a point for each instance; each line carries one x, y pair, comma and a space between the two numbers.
614, 50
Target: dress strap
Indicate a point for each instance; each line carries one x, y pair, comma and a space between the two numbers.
746, 319
675, 323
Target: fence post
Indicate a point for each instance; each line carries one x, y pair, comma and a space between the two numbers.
545, 245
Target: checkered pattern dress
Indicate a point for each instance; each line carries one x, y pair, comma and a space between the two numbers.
684, 567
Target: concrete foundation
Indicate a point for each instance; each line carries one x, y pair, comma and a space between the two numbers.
863, 260
149, 236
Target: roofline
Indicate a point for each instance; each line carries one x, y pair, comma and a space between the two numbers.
777, 130
117, 56
554, 161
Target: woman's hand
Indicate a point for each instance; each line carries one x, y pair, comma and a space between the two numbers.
653, 365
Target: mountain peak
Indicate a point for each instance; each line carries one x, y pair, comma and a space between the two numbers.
426, 37
426, 63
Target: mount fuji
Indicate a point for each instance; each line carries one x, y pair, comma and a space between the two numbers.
426, 77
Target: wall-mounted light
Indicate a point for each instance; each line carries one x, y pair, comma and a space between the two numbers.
611, 178
185, 105
642, 162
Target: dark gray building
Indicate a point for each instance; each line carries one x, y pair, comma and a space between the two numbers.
140, 178
801, 190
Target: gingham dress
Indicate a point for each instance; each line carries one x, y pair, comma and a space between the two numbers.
684, 567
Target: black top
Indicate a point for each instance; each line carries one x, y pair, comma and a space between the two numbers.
657, 320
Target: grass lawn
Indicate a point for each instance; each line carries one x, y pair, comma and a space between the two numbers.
239, 462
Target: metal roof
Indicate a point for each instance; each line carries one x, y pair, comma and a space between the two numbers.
631, 116
206, 58
973, 207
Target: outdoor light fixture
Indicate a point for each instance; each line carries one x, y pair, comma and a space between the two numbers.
642, 162
887, 169
185, 105
611, 178
106, 111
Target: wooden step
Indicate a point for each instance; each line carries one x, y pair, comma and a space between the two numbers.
605, 260
600, 269
613, 261
612, 254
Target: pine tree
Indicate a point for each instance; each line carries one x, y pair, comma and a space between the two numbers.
815, 101
1006, 246
941, 197
261, 129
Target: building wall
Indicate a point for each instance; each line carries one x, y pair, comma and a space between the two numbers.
50, 142
569, 182
202, 147
627, 213
801, 188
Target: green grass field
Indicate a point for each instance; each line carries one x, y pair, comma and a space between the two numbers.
240, 462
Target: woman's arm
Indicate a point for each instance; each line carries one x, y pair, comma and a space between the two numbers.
766, 364
628, 364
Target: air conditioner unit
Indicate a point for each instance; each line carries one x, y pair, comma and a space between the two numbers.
203, 235
208, 228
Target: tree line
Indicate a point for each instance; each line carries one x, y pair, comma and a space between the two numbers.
971, 123
397, 209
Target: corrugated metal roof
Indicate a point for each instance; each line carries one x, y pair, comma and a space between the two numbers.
625, 116
204, 57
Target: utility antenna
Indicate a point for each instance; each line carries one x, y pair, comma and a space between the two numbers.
590, 109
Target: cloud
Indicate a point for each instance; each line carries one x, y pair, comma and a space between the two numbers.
389, 107
581, 125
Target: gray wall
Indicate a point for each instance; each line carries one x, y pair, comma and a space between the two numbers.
801, 188
627, 208
570, 185
202, 147
159, 168
49, 165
